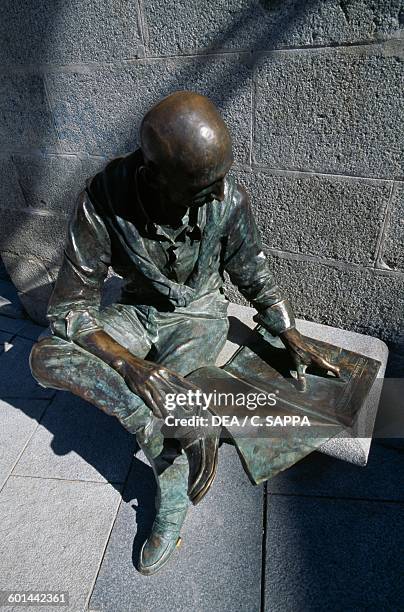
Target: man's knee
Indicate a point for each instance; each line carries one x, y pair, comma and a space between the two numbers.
42, 354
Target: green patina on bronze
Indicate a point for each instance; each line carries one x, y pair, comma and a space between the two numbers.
171, 222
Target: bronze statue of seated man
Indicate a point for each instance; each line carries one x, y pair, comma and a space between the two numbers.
170, 221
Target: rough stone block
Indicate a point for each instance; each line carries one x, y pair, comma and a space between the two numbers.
76, 441
32, 277
18, 421
53, 535
35, 234
318, 475
31, 239
333, 554
363, 300
50, 182
332, 217
32, 245
218, 564
241, 24
332, 111
393, 247
99, 111
91, 165
4, 276
26, 120
77, 31
11, 195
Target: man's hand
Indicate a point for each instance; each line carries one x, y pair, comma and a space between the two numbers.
304, 354
152, 382
149, 380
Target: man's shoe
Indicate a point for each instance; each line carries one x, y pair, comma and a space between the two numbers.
159, 546
171, 471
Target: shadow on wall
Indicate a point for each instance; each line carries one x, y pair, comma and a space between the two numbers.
47, 182
11, 301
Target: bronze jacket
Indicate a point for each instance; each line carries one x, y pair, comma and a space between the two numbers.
110, 227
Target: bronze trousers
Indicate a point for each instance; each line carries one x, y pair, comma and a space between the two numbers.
183, 340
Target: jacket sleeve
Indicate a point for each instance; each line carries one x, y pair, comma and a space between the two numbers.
247, 266
75, 300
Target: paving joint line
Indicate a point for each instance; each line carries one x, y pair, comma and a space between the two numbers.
23, 449
91, 591
264, 545
100, 482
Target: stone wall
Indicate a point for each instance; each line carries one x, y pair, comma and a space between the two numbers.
312, 91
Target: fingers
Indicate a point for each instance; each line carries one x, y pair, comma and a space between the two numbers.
306, 352
151, 401
319, 361
301, 379
161, 383
326, 365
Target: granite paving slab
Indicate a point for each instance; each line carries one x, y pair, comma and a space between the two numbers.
31, 331
77, 441
7, 324
218, 566
53, 535
15, 376
390, 418
18, 422
317, 474
332, 554
3, 272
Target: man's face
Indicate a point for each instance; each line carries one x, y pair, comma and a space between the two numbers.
183, 192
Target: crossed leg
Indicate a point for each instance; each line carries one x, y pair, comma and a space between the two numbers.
184, 343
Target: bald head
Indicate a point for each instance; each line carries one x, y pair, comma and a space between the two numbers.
185, 135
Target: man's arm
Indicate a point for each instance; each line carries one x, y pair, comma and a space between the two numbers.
247, 266
87, 255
